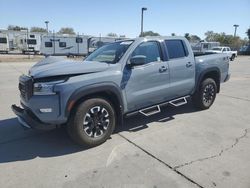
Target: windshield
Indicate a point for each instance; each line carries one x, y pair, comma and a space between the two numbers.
110, 53
216, 49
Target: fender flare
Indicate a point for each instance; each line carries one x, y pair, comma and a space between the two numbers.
92, 89
203, 73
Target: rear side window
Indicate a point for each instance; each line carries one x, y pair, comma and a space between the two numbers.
176, 49
148, 49
62, 44
48, 44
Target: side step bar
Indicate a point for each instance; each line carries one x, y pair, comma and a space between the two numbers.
149, 111
178, 102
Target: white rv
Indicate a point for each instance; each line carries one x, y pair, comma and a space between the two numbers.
204, 46
97, 42
4, 43
64, 45
29, 42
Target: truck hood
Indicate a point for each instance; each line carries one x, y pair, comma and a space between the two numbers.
54, 66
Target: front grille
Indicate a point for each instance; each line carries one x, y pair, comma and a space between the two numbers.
25, 87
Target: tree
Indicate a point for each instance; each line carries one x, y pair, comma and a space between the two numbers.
38, 29
209, 36
149, 33
187, 36
248, 33
173, 34
224, 39
67, 30
112, 35
16, 28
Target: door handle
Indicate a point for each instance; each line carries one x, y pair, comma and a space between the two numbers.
163, 69
189, 64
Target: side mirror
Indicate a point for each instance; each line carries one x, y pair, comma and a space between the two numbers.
137, 60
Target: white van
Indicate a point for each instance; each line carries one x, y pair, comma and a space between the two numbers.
64, 45
4, 43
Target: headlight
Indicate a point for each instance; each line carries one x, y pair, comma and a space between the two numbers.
45, 88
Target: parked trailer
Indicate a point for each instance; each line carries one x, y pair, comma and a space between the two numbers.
29, 42
204, 46
4, 43
64, 45
97, 42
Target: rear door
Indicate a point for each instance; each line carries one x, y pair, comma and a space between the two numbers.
147, 84
182, 68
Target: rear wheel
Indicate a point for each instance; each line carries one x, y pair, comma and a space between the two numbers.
92, 123
205, 95
232, 58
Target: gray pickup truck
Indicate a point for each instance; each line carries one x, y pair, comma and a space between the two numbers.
119, 79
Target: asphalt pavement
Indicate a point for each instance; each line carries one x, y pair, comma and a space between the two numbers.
179, 147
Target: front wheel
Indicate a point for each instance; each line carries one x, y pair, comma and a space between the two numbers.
92, 123
205, 95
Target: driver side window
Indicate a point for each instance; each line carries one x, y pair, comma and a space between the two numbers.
148, 49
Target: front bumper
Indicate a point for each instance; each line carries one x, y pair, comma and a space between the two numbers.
28, 120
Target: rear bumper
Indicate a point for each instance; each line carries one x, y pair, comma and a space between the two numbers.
28, 120
227, 77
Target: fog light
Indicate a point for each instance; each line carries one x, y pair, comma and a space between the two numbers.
46, 110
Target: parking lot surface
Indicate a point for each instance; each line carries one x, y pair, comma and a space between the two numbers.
180, 147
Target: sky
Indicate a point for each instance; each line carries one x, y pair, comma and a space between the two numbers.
95, 17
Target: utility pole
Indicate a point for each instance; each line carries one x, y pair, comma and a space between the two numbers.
77, 39
47, 26
142, 10
235, 29
27, 42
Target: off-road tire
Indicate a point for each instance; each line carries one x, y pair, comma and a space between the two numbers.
75, 126
205, 95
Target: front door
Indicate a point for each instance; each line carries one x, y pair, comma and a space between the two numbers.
146, 84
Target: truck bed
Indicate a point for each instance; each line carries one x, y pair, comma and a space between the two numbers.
210, 60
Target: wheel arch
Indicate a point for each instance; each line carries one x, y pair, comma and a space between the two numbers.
108, 91
213, 73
